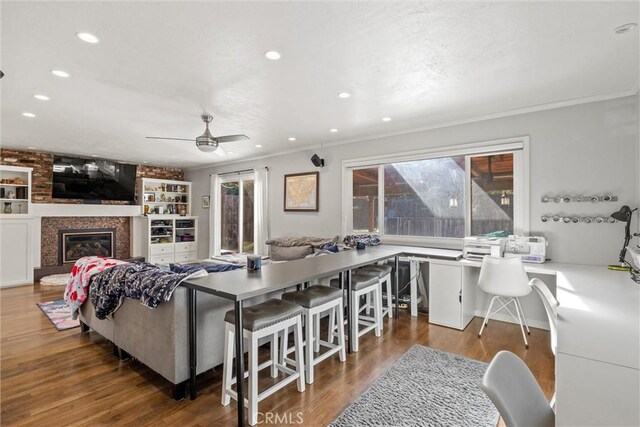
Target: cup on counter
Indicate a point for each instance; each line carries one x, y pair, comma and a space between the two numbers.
254, 262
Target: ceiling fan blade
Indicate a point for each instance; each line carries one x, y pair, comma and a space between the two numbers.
173, 139
231, 138
220, 151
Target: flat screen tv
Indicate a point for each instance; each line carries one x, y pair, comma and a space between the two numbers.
93, 179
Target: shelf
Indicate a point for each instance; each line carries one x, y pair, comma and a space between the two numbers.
14, 200
166, 203
13, 185
165, 192
185, 228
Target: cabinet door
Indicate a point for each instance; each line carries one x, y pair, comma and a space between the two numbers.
444, 295
16, 255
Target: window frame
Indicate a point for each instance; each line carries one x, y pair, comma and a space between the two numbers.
519, 146
241, 178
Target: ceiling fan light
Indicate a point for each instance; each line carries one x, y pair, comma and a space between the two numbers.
206, 146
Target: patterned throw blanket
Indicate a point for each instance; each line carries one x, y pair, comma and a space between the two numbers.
149, 283
367, 239
83, 270
316, 242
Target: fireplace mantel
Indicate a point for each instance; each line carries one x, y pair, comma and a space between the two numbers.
63, 209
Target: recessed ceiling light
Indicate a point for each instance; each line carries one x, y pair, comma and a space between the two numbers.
272, 55
60, 73
146, 161
258, 146
41, 97
94, 155
386, 119
32, 148
230, 152
87, 37
344, 95
292, 138
333, 130
31, 115
626, 28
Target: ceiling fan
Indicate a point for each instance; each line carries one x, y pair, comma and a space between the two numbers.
207, 142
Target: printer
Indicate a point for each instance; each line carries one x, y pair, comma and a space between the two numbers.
527, 248
476, 247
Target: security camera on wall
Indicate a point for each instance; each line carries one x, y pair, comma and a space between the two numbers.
317, 161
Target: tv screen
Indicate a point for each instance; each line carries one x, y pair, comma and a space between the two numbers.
96, 179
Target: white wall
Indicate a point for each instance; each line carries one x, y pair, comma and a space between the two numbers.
585, 149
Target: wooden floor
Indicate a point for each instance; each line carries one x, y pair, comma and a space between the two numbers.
65, 378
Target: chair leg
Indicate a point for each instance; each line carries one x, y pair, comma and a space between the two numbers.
526, 324
284, 344
389, 304
342, 353
309, 343
377, 311
274, 355
486, 318
316, 332
253, 381
353, 333
332, 328
227, 367
378, 306
297, 335
526, 344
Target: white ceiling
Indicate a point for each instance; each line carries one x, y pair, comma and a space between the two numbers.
159, 65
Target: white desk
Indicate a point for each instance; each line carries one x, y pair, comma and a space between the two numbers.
598, 354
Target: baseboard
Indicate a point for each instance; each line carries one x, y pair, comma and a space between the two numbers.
503, 317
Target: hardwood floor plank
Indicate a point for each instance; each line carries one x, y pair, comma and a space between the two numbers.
66, 378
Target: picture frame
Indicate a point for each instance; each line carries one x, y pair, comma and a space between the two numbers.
302, 192
206, 202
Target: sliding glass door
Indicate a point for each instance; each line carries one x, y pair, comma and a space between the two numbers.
236, 213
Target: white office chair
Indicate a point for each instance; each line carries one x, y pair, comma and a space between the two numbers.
551, 307
506, 279
515, 392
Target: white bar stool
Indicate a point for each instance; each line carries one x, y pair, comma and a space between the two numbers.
363, 284
384, 276
316, 300
266, 319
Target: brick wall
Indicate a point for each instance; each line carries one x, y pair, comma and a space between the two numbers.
42, 175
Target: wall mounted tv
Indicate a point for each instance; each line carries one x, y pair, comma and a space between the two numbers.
93, 179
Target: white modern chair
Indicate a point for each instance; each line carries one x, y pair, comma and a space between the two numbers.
551, 307
506, 279
515, 392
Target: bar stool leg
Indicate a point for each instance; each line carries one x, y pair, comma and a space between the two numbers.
228, 365
377, 311
284, 344
389, 305
253, 380
340, 309
332, 328
274, 355
353, 333
316, 332
309, 343
297, 335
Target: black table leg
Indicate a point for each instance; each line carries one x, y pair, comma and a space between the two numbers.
239, 363
193, 345
349, 314
396, 291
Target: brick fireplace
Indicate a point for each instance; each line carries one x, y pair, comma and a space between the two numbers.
53, 230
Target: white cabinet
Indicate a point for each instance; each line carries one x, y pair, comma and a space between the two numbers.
164, 197
166, 239
16, 251
452, 296
15, 191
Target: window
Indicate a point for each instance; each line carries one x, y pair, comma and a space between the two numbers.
473, 190
236, 214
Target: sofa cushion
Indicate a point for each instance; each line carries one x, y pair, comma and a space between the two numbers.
288, 253
313, 296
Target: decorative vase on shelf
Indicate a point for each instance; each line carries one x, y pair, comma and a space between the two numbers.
183, 211
146, 209
7, 208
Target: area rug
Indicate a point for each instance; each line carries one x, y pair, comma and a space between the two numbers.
426, 387
55, 280
59, 314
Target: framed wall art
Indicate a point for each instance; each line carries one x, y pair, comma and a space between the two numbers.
302, 192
